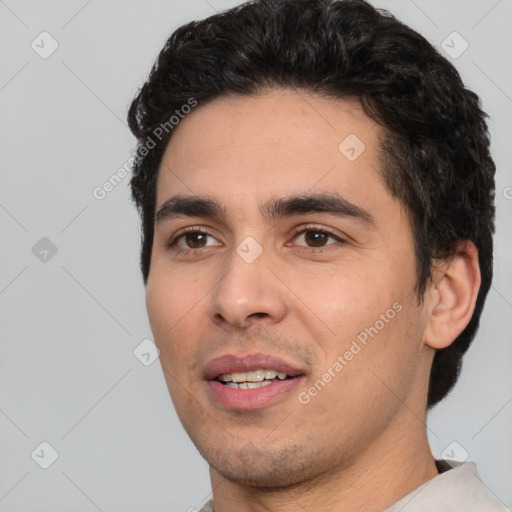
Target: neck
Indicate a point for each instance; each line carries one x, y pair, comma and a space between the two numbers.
394, 465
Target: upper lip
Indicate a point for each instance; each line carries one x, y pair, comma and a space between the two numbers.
242, 363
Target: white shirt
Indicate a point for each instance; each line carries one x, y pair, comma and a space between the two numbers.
454, 490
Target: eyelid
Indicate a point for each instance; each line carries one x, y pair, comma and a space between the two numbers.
318, 227
321, 229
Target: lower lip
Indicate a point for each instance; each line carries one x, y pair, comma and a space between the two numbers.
252, 399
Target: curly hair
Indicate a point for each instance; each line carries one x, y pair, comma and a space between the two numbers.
435, 147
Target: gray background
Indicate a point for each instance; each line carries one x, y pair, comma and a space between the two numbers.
70, 321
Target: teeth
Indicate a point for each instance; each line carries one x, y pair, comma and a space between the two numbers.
252, 385
253, 376
248, 385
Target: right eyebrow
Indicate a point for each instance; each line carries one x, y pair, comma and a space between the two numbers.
190, 206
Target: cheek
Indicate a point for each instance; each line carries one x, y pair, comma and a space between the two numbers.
350, 301
369, 313
368, 369
165, 306
170, 297
175, 305
159, 300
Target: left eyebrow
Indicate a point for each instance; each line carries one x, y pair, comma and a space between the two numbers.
332, 204
273, 209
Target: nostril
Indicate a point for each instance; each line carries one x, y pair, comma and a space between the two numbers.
258, 315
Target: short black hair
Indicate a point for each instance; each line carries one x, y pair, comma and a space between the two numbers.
435, 148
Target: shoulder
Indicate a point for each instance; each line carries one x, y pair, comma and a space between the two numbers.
458, 488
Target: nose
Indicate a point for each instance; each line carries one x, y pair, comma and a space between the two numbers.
247, 293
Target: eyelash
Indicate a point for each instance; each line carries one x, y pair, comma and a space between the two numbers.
172, 244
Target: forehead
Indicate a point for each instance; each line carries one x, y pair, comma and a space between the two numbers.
247, 147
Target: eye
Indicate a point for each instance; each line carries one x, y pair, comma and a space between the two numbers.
315, 238
192, 239
310, 236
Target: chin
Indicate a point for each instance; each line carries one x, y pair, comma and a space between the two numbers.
264, 476
273, 468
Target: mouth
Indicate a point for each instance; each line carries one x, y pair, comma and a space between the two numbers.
250, 381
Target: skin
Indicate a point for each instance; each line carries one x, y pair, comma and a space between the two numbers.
360, 443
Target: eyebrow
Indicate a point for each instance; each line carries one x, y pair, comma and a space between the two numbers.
277, 208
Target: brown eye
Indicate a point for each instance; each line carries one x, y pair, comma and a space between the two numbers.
192, 239
195, 240
315, 238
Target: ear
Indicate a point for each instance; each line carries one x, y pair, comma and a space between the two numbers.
452, 296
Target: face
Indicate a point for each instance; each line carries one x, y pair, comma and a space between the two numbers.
278, 248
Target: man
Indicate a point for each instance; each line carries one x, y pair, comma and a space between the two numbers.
317, 202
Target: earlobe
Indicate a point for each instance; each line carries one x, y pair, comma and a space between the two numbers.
452, 296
